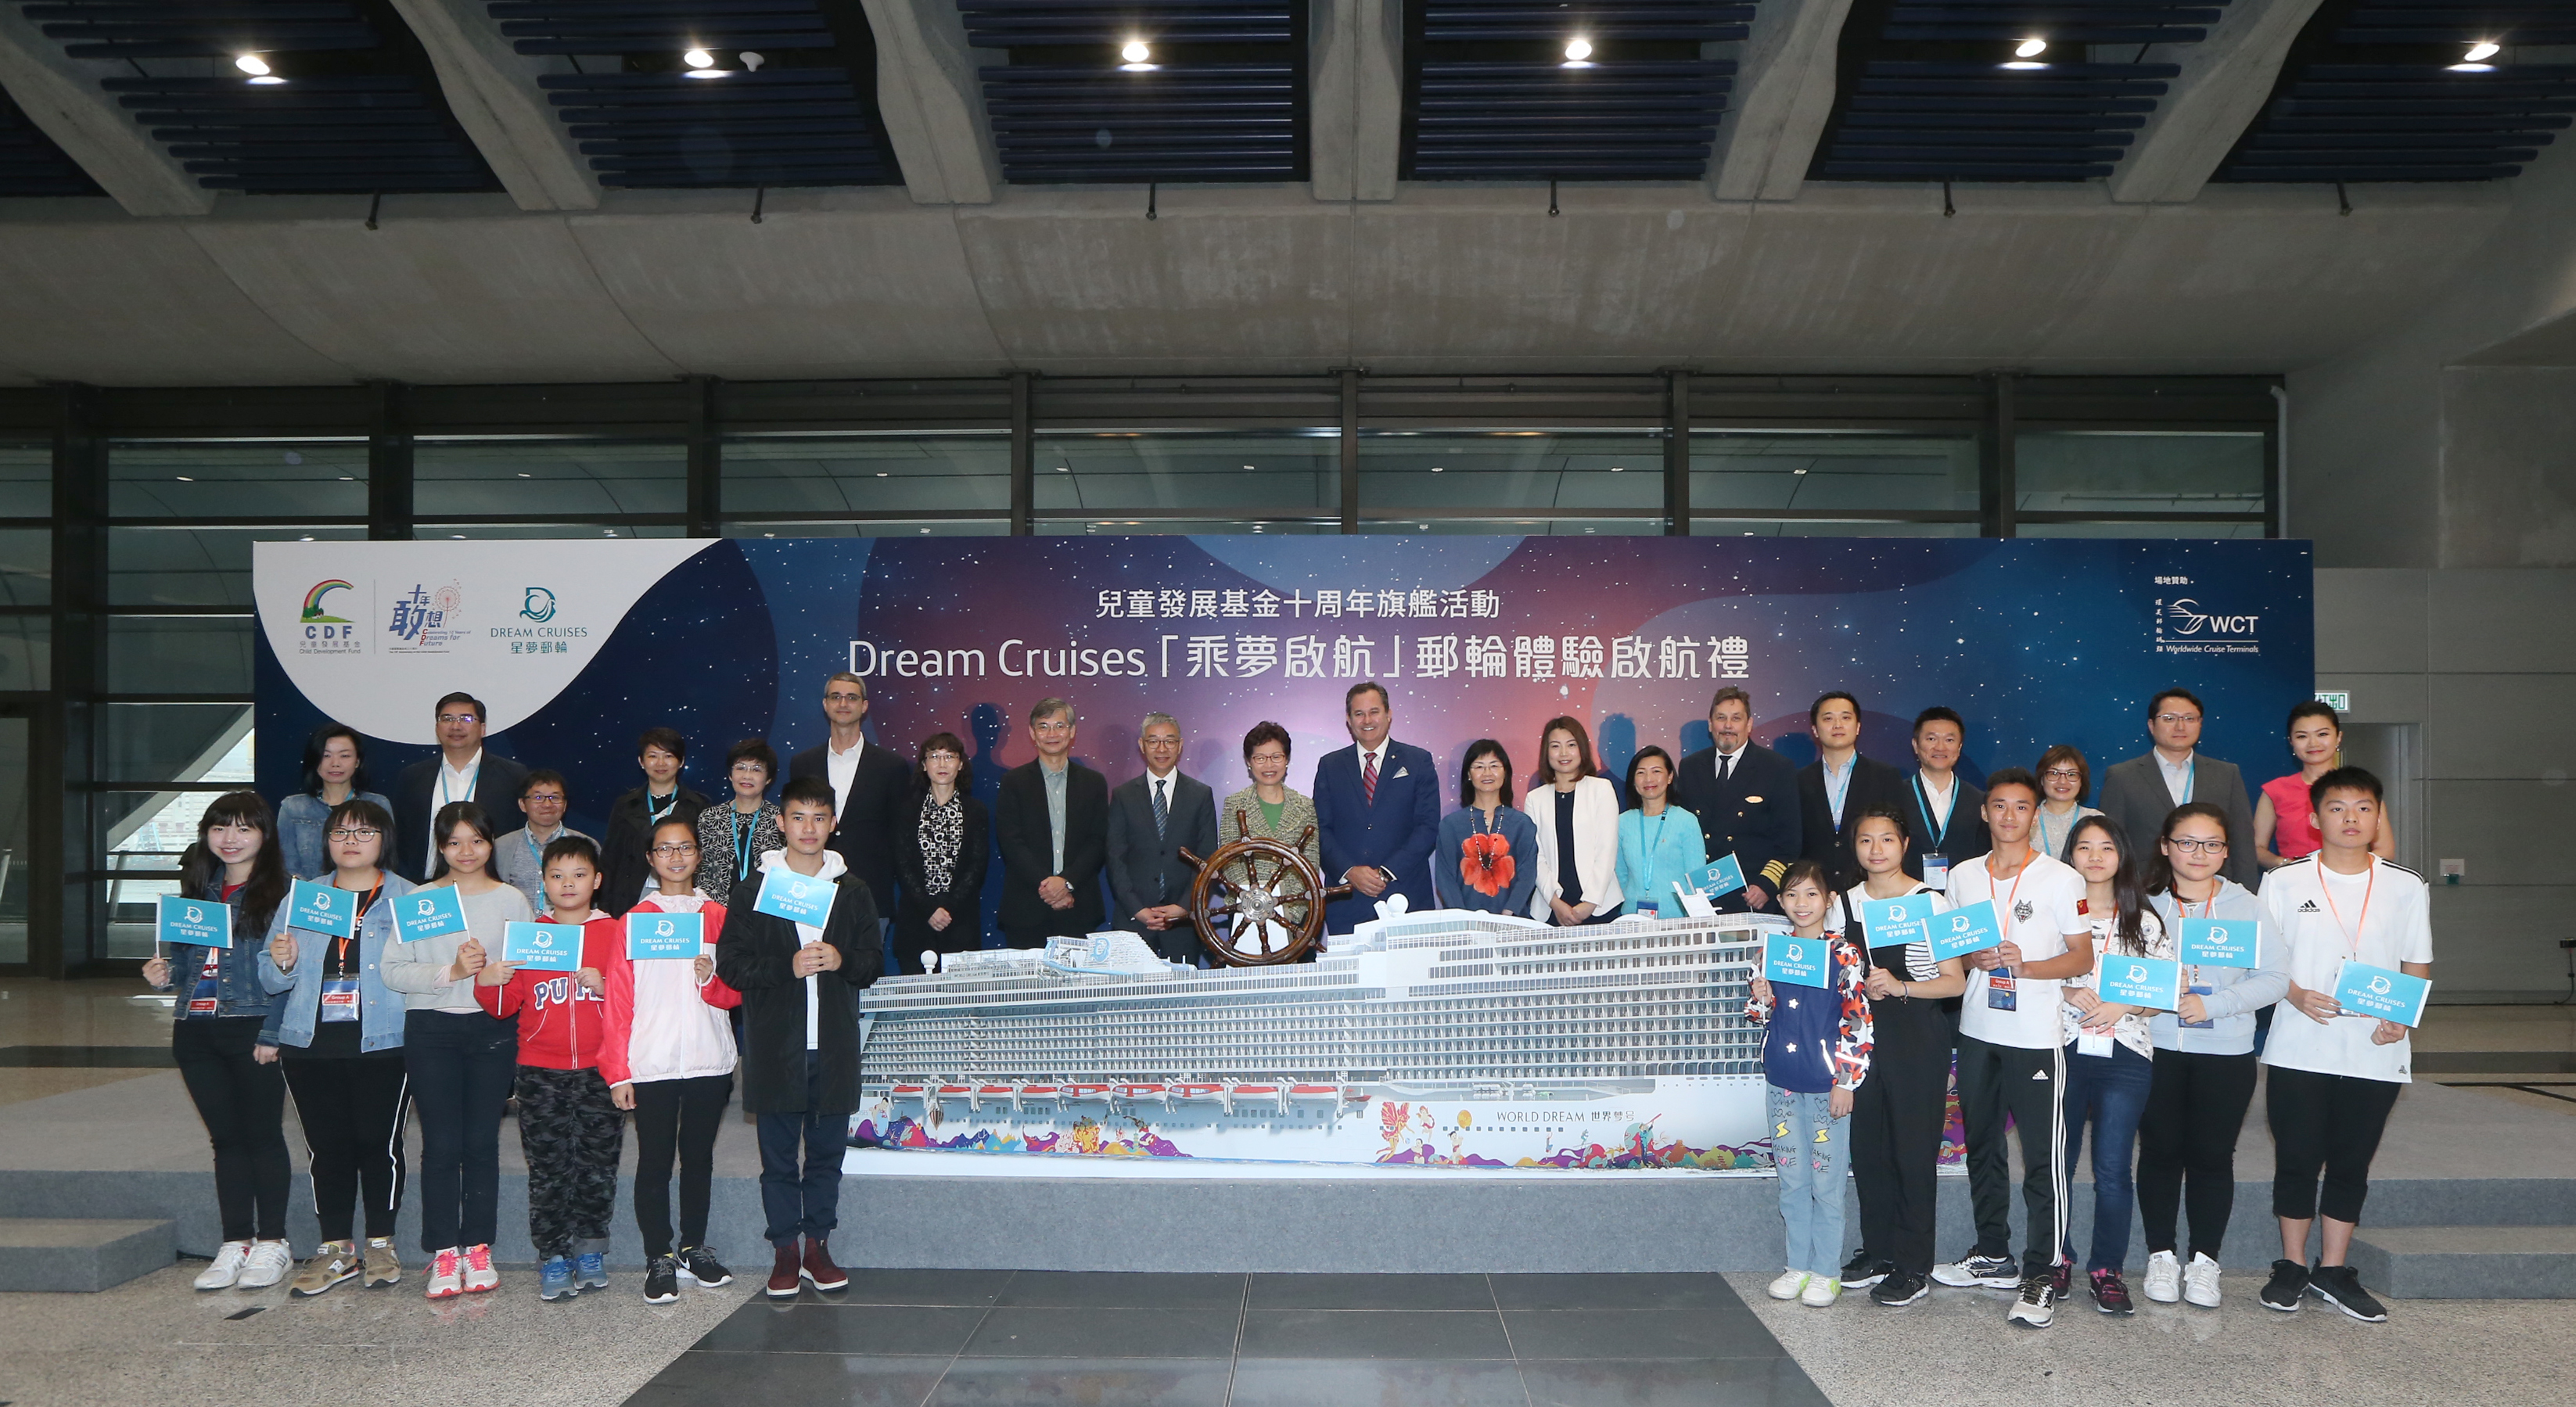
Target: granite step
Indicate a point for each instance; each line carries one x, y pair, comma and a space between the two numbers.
2467, 1262
60, 1253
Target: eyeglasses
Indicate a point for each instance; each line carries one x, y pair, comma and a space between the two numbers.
2063, 774
355, 833
675, 851
545, 797
2198, 847
844, 696
747, 765
456, 718
2177, 718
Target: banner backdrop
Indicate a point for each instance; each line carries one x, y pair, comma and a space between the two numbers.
577, 646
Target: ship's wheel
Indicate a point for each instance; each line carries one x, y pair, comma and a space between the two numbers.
1258, 902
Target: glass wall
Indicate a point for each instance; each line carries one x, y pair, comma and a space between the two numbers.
1538, 482
1183, 481
2129, 483
840, 485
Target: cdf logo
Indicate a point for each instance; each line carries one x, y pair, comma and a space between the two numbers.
319, 632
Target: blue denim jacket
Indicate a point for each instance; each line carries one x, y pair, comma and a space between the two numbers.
238, 990
300, 819
299, 993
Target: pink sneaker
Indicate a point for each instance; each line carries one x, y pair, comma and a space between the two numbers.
446, 1276
479, 1274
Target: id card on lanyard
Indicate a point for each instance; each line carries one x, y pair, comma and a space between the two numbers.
340, 994
2191, 979
1936, 861
2002, 992
206, 997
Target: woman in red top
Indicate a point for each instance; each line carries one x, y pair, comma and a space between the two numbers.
669, 1055
2283, 826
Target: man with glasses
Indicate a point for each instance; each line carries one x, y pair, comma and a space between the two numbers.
1152, 819
519, 858
2142, 791
1052, 821
462, 771
869, 788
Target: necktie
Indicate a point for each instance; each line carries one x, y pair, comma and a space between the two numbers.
1162, 814
1725, 767
1368, 777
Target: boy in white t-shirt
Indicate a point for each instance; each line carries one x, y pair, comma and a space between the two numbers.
2335, 1074
2012, 1057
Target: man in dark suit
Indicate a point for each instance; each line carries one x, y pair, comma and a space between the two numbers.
462, 771
870, 785
1052, 819
1840, 785
1746, 798
1152, 819
1945, 818
1377, 811
2142, 791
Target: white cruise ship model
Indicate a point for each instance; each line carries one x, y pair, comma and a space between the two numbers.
1445, 1038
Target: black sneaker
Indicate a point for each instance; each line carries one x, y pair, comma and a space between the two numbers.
1864, 1270
2288, 1285
2061, 1279
662, 1280
2111, 1294
2340, 1286
2035, 1305
1900, 1287
699, 1264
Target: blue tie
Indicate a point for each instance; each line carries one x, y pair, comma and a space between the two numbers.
1162, 814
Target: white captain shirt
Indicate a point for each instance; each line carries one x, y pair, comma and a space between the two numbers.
2318, 914
2037, 909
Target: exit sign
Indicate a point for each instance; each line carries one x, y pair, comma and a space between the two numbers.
2340, 700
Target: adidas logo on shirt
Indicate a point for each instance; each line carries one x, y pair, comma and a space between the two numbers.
2309, 906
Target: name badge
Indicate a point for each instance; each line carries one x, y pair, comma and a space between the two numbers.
340, 999
652, 937
2001, 992
319, 908
1720, 879
1936, 869
1895, 922
2363, 990
199, 921
2219, 942
206, 998
2154, 983
796, 898
545, 947
2087, 1043
1645, 908
1966, 930
429, 913
1798, 962
2203, 991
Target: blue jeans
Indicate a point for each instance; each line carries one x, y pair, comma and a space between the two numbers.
2110, 1092
1811, 1149
806, 1203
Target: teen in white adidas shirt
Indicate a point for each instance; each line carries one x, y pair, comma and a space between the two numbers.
2335, 1075
2011, 1052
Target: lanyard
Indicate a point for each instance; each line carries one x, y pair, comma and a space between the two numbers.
741, 843
659, 816
2182, 913
471, 778
2007, 916
2351, 936
1947, 812
340, 946
1654, 847
1835, 792
536, 852
2190, 779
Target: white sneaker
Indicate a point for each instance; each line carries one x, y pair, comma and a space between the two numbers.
1790, 1285
227, 1267
267, 1264
2200, 1281
479, 1274
2164, 1278
1821, 1291
446, 1274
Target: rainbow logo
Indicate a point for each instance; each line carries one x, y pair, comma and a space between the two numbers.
313, 614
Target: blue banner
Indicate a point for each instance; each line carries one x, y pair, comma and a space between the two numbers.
1799, 962
1970, 928
2221, 942
2153, 983
1891, 922
2364, 990
200, 921
544, 947
652, 937
319, 908
795, 897
429, 913
1720, 879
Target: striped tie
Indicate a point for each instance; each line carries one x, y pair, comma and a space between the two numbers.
1368, 778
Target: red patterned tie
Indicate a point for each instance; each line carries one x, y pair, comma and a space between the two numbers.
1368, 777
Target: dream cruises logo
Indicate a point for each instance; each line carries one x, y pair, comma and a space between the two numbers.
426, 621
2187, 626
322, 633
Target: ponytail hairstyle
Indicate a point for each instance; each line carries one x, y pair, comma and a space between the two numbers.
2128, 895
2160, 869
201, 871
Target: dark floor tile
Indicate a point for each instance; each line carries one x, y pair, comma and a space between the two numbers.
1370, 1292
1083, 1382
1120, 1289
719, 1380
1607, 1291
1639, 1333
886, 1330
1706, 1382
1053, 1332
959, 1287
1308, 1382
1372, 1333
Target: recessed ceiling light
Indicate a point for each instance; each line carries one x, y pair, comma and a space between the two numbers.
348, 478
1618, 469
1061, 469
1797, 471
769, 534
1247, 469
2031, 49
925, 532
2483, 49
460, 537
251, 64
1438, 469
707, 73
1136, 52
698, 58
1578, 49
883, 472
2455, 68
266, 80
308, 537
2017, 63
182, 478
527, 476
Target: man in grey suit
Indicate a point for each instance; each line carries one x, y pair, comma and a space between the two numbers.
2140, 792
1153, 818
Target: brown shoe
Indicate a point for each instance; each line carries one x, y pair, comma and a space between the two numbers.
382, 1268
784, 1273
818, 1266
332, 1262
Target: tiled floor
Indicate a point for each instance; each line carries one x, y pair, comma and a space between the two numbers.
955, 1337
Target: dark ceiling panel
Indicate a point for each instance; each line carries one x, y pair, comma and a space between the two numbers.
787, 96
30, 163
2385, 90
1497, 90
349, 102
1221, 94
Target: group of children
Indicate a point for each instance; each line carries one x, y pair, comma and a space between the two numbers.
366, 1028
1859, 1066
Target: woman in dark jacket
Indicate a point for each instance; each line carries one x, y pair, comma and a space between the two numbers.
940, 858
232, 1076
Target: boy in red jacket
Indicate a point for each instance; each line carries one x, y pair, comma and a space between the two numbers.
569, 1128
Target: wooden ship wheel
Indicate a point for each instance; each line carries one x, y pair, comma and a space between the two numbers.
1254, 887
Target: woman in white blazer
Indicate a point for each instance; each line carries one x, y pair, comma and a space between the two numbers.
1577, 815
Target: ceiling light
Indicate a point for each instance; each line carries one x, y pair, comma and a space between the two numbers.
2483, 49
1247, 469
698, 58
705, 72
751, 62
883, 472
527, 476
2024, 64
1578, 49
266, 80
251, 64
1061, 469
1618, 469
925, 532
1136, 52
1437, 469
2031, 49
2455, 68
460, 537
182, 478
